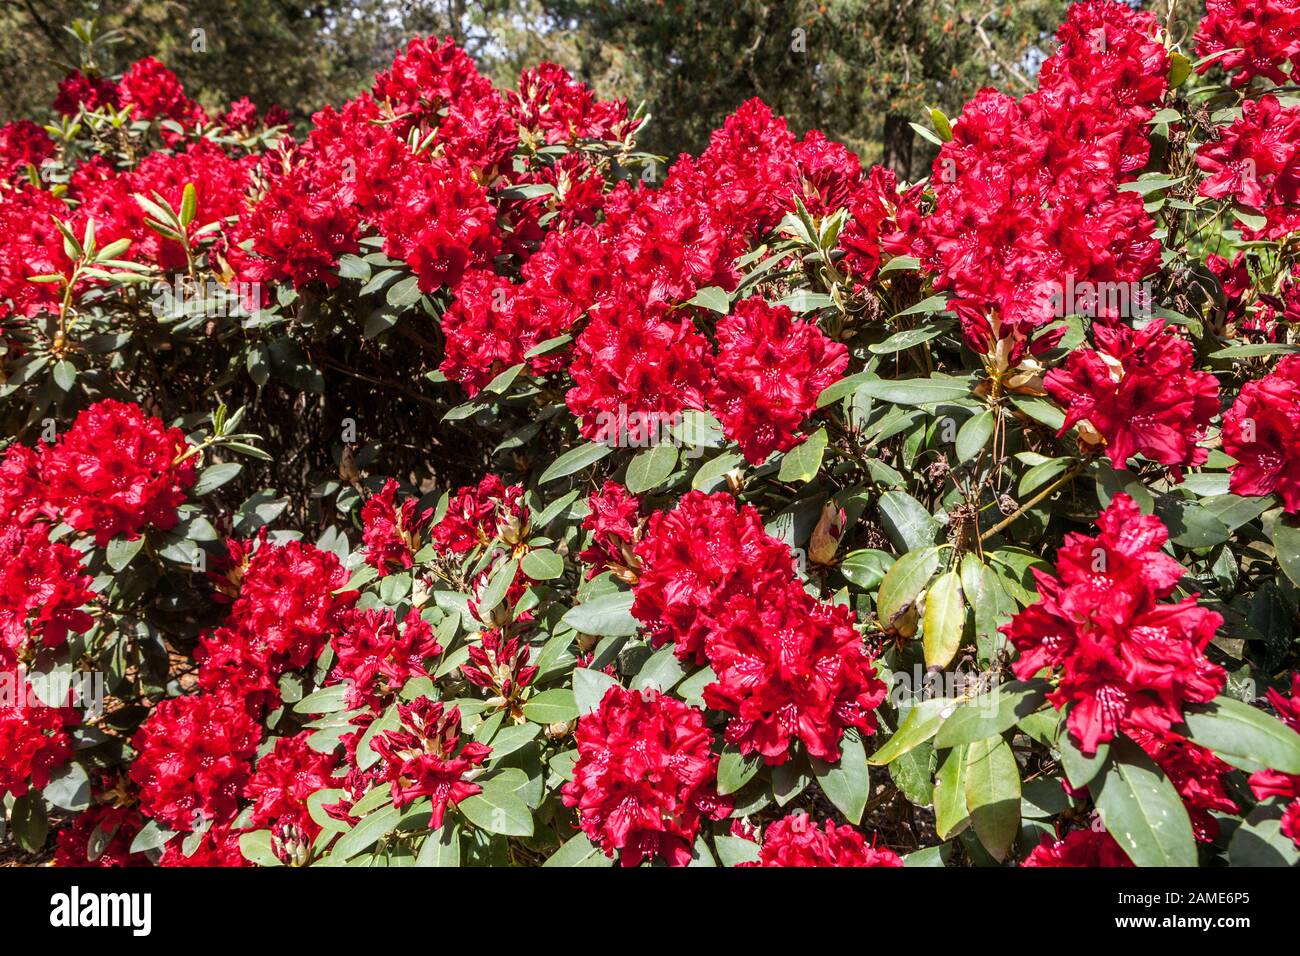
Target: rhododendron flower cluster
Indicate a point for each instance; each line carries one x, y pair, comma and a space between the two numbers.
1078, 848
645, 777
393, 533
34, 739
1262, 431
1253, 37
1124, 659
795, 840
118, 472
1139, 393
195, 757
477, 514
1254, 163
427, 759
770, 370
376, 658
1275, 784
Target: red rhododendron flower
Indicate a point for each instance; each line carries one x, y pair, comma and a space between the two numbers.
882, 223
770, 368
118, 471
441, 225
43, 589
696, 560
478, 514
156, 93
32, 246
645, 777
1262, 431
1261, 35
1091, 848
78, 91
297, 233
1256, 162
1196, 773
195, 757
426, 758
284, 779
1124, 660
22, 491
499, 665
635, 370
393, 534
614, 524
795, 840
1139, 391
790, 669
1267, 784
492, 324
34, 739
22, 144
290, 603
376, 660
219, 846
551, 102
103, 828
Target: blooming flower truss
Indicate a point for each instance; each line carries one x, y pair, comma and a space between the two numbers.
592, 515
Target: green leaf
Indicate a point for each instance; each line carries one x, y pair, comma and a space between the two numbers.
847, 783
993, 795
802, 462
403, 293
921, 723
255, 846
366, 833
609, 615
552, 706
214, 476
866, 568
1142, 810
733, 851
1080, 769
578, 850
151, 836
736, 769
945, 618
906, 521
650, 468
662, 671
974, 435
917, 391
542, 564
441, 847
712, 298
991, 714
69, 788
950, 813
1180, 68
120, 551
498, 587
904, 582
1286, 540
327, 700
575, 459
29, 822
65, 375
711, 472
590, 687
906, 339
1244, 737
498, 810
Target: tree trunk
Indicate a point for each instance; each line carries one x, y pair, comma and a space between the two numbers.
898, 145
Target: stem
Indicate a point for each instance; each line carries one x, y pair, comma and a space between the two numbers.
1051, 489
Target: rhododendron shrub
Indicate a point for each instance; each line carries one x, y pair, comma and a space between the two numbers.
449, 482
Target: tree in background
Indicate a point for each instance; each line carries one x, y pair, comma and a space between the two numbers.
861, 70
